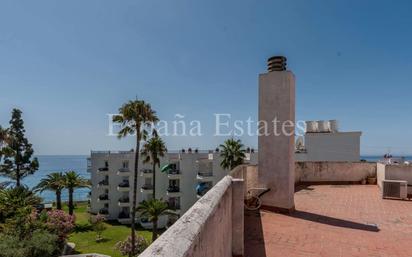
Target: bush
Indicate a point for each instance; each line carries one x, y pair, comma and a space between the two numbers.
60, 223
125, 247
98, 226
40, 244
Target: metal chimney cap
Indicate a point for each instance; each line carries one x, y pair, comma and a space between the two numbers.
277, 63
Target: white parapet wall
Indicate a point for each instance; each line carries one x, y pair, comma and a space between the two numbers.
327, 172
213, 226
394, 172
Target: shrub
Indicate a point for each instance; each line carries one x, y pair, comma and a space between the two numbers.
98, 226
60, 223
125, 247
40, 244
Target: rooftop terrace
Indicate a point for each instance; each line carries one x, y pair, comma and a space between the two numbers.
333, 220
337, 218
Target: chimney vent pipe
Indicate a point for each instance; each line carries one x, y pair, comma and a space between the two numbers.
277, 63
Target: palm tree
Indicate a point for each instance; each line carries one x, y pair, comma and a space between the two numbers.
15, 201
152, 151
152, 210
135, 117
53, 182
72, 180
233, 154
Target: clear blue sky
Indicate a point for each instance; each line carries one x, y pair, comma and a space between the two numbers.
67, 64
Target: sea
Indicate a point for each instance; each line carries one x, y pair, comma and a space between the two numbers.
78, 163
59, 163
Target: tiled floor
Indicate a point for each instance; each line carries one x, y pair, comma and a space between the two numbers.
333, 221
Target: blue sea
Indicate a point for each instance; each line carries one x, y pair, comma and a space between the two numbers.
59, 163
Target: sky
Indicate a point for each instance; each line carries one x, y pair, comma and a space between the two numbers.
67, 64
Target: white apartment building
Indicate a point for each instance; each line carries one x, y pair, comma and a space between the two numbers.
190, 176
193, 173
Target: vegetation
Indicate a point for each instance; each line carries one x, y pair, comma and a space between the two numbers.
72, 180
17, 161
125, 247
3, 140
98, 226
24, 231
152, 210
53, 182
39, 244
15, 202
135, 117
85, 237
152, 151
233, 154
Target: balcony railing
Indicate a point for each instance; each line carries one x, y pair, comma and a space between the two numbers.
103, 169
104, 183
205, 174
174, 206
103, 197
124, 215
173, 172
146, 171
104, 211
124, 200
124, 170
173, 189
124, 184
147, 187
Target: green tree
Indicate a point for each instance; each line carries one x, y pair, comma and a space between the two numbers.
18, 162
16, 200
73, 181
53, 182
152, 210
151, 152
3, 140
233, 154
135, 117
39, 243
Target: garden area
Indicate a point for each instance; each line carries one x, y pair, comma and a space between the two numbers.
85, 237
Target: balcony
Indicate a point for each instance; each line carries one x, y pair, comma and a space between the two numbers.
145, 223
103, 184
146, 173
103, 171
89, 164
123, 187
173, 174
147, 189
174, 207
173, 191
124, 172
124, 202
103, 198
124, 218
104, 212
205, 176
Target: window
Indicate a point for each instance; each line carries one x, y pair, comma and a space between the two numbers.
125, 164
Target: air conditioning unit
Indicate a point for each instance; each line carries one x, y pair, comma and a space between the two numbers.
395, 189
